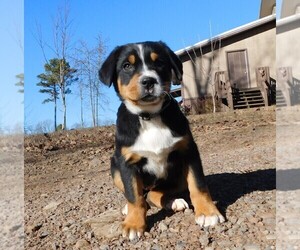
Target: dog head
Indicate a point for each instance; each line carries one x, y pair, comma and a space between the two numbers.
141, 74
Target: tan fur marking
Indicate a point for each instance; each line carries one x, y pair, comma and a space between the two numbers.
155, 198
201, 199
182, 145
130, 91
118, 181
136, 217
130, 157
131, 59
153, 56
160, 199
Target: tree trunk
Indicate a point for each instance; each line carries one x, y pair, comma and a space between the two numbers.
63, 98
65, 114
92, 101
81, 107
97, 107
55, 111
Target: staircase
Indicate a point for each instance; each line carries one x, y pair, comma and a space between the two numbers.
247, 98
280, 100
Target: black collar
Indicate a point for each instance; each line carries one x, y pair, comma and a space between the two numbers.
146, 116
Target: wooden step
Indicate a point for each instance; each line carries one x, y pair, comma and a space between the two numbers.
248, 98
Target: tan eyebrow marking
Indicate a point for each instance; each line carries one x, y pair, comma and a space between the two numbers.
153, 56
131, 59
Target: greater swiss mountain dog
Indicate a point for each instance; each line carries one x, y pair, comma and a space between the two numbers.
155, 158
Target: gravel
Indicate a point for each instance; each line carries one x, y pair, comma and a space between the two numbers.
68, 173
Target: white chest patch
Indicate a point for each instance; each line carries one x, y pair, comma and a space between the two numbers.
155, 142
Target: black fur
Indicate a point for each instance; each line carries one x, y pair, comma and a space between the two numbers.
129, 124
113, 65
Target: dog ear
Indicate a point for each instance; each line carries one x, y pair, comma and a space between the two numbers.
107, 72
175, 62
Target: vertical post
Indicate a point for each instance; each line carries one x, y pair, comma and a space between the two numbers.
284, 76
263, 82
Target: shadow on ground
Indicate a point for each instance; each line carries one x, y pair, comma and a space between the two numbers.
288, 179
227, 188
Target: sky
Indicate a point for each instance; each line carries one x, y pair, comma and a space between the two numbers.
179, 23
11, 63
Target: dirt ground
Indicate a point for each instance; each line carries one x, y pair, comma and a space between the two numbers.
68, 182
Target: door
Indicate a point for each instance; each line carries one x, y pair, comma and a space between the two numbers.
238, 69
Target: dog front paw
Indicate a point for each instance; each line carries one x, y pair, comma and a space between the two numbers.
134, 224
133, 231
178, 205
211, 220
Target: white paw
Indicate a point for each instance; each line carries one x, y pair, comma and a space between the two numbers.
178, 205
206, 221
124, 210
132, 235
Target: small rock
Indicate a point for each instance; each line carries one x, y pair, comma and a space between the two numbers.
224, 244
156, 247
204, 241
15, 228
44, 195
54, 245
51, 206
269, 221
147, 234
266, 232
174, 230
162, 226
233, 219
180, 245
104, 247
44, 235
89, 235
240, 221
271, 237
96, 162
220, 229
82, 244
251, 247
106, 225
36, 227
260, 224
188, 211
243, 228
253, 220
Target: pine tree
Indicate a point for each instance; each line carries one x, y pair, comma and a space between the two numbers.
20, 82
55, 82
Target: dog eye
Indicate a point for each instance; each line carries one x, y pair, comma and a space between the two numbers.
127, 66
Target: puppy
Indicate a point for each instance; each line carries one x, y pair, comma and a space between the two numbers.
155, 158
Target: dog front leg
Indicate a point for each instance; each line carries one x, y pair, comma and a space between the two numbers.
129, 182
134, 224
206, 213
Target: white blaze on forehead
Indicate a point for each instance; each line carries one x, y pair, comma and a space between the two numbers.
146, 72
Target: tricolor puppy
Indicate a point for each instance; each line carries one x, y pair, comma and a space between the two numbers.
156, 158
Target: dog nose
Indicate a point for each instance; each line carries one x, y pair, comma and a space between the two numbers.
149, 82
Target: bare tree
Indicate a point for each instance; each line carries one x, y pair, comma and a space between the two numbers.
60, 47
43, 127
88, 60
204, 72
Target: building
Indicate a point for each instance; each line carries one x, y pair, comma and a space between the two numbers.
235, 69
287, 54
